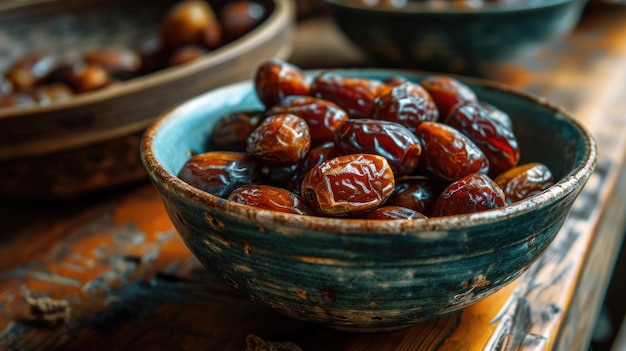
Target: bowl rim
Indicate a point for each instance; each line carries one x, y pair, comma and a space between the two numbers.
571, 181
283, 11
445, 8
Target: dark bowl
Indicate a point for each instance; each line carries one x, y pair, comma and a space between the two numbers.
362, 274
88, 144
452, 39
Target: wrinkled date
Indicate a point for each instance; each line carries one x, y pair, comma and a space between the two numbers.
448, 154
494, 139
473, 193
525, 180
388, 139
408, 104
322, 116
354, 95
270, 198
275, 80
417, 193
281, 140
348, 185
447, 92
219, 173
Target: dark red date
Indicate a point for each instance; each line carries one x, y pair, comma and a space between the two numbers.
219, 173
322, 116
348, 185
447, 92
448, 154
232, 130
525, 180
275, 80
417, 193
497, 142
473, 193
270, 198
280, 140
408, 104
388, 139
353, 95
240, 17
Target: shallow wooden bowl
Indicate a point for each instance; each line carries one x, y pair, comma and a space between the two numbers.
368, 274
89, 143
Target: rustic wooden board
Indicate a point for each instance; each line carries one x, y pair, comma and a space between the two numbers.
130, 282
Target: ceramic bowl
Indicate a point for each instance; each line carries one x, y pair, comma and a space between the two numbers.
447, 38
368, 275
89, 143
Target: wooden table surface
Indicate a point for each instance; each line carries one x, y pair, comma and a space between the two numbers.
120, 277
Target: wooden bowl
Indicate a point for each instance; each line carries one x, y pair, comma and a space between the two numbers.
89, 143
359, 274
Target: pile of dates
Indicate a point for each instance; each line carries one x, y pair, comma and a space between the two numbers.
341, 146
189, 29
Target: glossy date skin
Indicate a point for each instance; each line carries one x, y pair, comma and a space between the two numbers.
447, 92
275, 80
270, 198
388, 139
232, 130
239, 17
220, 172
416, 192
348, 185
473, 193
525, 180
494, 139
280, 140
408, 104
354, 95
322, 116
447, 154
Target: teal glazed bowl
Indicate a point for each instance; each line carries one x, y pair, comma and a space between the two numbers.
446, 38
367, 275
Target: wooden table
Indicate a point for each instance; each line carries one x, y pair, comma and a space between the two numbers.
120, 277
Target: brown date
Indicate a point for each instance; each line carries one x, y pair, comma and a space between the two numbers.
322, 116
353, 95
31, 70
408, 104
498, 115
416, 192
348, 185
232, 130
314, 157
388, 139
270, 198
120, 63
86, 77
190, 22
276, 79
280, 140
473, 193
240, 17
447, 92
219, 172
497, 142
392, 212
525, 180
448, 154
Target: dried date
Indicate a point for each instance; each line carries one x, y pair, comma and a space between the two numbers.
447, 92
270, 198
388, 139
408, 104
448, 154
275, 80
280, 140
473, 193
220, 172
525, 180
417, 193
232, 130
354, 95
348, 185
